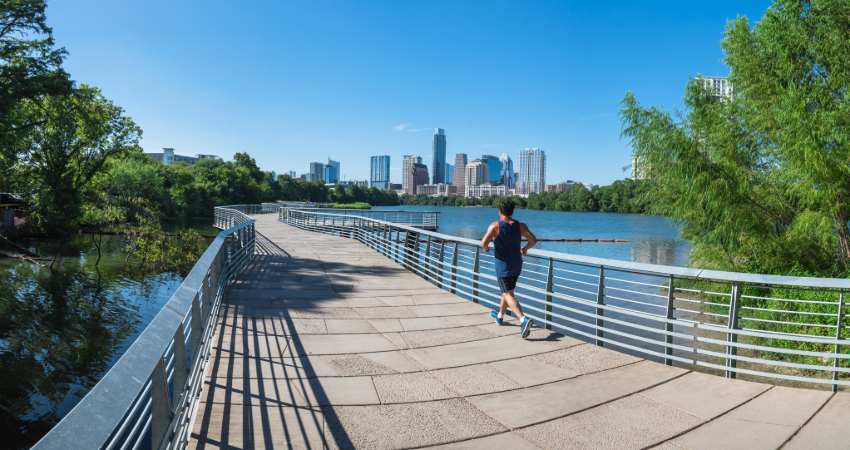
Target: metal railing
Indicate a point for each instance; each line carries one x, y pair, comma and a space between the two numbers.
148, 398
789, 329
428, 220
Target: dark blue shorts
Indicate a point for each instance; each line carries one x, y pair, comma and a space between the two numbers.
507, 284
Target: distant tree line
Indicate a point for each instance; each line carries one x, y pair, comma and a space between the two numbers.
180, 193
622, 196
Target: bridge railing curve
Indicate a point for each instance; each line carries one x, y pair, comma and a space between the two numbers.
427, 220
148, 398
765, 327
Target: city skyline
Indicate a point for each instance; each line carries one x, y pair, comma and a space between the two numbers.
316, 78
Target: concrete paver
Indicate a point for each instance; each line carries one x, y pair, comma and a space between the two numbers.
765, 422
822, 430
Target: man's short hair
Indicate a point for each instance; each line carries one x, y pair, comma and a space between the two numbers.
506, 207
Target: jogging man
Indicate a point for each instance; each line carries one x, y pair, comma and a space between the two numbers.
507, 236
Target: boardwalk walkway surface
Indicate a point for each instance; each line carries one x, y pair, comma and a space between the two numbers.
324, 343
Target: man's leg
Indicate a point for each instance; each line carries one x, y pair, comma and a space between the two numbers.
503, 305
508, 300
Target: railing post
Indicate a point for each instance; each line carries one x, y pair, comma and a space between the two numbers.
600, 312
160, 407
732, 338
550, 286
178, 381
429, 268
838, 324
197, 330
454, 268
668, 327
475, 266
440, 268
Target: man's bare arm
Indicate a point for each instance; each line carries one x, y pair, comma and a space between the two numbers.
529, 236
489, 236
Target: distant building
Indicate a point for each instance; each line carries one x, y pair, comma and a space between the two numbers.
379, 174
450, 173
407, 164
292, 174
719, 87
532, 171
420, 176
360, 183
639, 169
477, 173
507, 176
494, 169
436, 190
331, 172
560, 187
167, 157
9, 204
487, 190
414, 174
317, 172
395, 187
438, 161
460, 171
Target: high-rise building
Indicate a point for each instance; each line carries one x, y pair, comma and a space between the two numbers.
477, 173
332, 174
380, 172
414, 174
507, 176
532, 171
438, 161
420, 176
719, 87
407, 164
292, 174
317, 172
460, 171
450, 173
494, 169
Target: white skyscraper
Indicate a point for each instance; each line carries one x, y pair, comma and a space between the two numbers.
717, 86
477, 173
532, 171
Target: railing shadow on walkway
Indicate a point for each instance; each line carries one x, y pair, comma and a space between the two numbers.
279, 387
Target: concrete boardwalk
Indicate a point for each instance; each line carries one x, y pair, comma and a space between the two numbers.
324, 343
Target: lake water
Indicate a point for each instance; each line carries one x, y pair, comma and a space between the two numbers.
651, 239
61, 329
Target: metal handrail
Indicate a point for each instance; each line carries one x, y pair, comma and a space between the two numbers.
765, 327
419, 219
149, 397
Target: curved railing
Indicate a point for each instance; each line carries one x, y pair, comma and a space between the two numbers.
147, 399
792, 329
428, 220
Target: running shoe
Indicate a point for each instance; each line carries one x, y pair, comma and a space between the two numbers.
525, 326
495, 315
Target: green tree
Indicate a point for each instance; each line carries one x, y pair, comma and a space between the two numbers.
761, 180
70, 145
30, 66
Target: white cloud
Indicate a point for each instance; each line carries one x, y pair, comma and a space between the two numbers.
406, 127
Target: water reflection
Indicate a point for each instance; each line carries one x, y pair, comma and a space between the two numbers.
654, 251
61, 328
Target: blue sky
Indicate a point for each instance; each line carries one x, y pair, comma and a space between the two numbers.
294, 82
